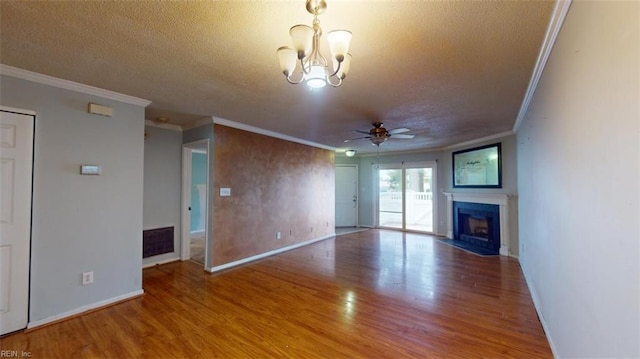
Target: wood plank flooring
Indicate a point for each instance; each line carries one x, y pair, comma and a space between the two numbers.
372, 294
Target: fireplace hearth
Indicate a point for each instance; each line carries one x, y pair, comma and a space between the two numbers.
476, 226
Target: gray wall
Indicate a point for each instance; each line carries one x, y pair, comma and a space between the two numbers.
162, 185
578, 164
82, 223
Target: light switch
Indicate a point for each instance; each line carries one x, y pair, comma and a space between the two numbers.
225, 192
90, 170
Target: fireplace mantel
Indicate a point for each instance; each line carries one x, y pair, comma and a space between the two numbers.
502, 200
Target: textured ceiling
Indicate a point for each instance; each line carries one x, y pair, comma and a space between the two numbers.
451, 71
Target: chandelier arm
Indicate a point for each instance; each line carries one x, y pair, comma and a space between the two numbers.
288, 78
305, 65
337, 84
336, 71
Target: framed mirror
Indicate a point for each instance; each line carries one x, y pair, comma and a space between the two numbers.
479, 167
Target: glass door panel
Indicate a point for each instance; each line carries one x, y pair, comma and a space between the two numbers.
419, 199
390, 198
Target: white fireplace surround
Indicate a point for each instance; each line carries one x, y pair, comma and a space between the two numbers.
502, 200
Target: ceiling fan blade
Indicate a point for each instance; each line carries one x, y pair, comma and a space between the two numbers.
399, 130
358, 138
402, 136
360, 131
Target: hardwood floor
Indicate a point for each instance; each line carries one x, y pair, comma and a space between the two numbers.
372, 294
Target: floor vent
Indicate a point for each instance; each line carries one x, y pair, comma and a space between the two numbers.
157, 241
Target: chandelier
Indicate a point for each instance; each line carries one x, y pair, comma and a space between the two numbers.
314, 69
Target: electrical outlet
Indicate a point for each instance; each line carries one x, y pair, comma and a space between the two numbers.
87, 278
278, 235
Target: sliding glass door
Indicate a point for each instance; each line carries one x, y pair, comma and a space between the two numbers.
390, 208
406, 196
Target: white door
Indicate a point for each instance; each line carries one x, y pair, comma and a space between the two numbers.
346, 195
16, 163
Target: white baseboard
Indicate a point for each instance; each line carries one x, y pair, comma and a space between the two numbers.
164, 261
536, 305
268, 254
84, 308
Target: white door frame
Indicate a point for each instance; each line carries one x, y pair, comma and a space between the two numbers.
187, 151
15, 253
406, 165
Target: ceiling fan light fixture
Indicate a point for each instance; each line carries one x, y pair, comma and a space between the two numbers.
313, 67
377, 141
350, 153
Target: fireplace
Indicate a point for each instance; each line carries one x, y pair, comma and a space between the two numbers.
499, 199
477, 225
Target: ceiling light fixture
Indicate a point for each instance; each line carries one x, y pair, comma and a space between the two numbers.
314, 68
350, 153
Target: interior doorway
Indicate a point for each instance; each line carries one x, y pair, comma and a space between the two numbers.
195, 203
406, 199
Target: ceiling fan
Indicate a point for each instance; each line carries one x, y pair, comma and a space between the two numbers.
378, 134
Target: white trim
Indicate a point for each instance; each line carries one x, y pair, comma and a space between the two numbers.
70, 85
84, 308
17, 110
478, 140
268, 254
557, 19
502, 200
185, 235
536, 304
166, 126
185, 245
197, 123
164, 261
249, 128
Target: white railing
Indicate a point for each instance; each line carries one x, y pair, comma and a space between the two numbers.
411, 196
419, 210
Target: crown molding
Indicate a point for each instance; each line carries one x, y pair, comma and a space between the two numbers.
242, 126
557, 19
478, 140
70, 85
166, 126
197, 123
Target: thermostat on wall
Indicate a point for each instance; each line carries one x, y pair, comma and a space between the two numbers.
89, 170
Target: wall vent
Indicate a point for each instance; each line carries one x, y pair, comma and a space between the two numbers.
157, 241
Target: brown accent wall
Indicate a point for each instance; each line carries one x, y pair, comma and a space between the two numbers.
276, 185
